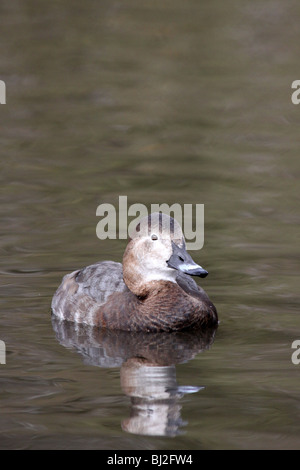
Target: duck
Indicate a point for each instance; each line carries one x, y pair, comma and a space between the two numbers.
152, 290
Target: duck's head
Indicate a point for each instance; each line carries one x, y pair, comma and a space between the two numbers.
156, 252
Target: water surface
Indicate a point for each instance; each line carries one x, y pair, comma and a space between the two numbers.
162, 102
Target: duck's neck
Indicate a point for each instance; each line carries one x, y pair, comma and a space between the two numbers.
143, 288
138, 279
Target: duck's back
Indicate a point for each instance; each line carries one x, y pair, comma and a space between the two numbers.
100, 280
189, 286
85, 290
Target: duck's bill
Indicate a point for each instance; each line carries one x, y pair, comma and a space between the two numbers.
183, 262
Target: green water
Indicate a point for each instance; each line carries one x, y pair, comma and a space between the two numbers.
186, 102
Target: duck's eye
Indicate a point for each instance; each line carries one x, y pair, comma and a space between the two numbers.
154, 237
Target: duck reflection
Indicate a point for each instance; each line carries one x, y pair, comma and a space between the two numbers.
148, 374
154, 395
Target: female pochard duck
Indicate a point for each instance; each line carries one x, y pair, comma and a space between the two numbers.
152, 291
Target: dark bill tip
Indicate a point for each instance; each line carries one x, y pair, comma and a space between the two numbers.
197, 272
